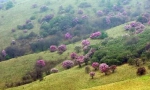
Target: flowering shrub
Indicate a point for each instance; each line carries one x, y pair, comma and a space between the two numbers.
73, 55
67, 64
104, 68
40, 63
53, 48
68, 36
4, 53
95, 65
135, 27
80, 59
95, 35
62, 48
84, 17
47, 18
54, 70
127, 27
85, 43
92, 74
25, 31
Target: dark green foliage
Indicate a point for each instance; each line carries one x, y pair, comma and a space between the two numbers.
32, 17
15, 51
60, 23
103, 35
69, 9
121, 50
98, 55
29, 36
142, 19
9, 5
114, 21
25, 26
44, 44
84, 5
77, 49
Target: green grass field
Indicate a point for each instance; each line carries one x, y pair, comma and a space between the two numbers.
77, 79
140, 83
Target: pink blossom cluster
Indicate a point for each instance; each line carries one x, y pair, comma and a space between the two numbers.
80, 59
53, 48
73, 55
103, 67
127, 27
67, 64
95, 35
40, 63
4, 53
84, 16
85, 43
68, 36
95, 65
92, 74
62, 48
136, 26
54, 70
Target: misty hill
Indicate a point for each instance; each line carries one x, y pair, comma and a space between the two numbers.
49, 44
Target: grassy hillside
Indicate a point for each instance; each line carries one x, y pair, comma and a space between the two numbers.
23, 64
22, 11
73, 79
140, 83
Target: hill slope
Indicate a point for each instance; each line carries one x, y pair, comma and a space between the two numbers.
140, 83
77, 79
25, 63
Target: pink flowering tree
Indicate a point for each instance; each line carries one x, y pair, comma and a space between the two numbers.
95, 35
92, 74
85, 43
54, 70
95, 65
40, 63
80, 60
135, 27
73, 55
104, 68
53, 48
67, 64
61, 49
68, 36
